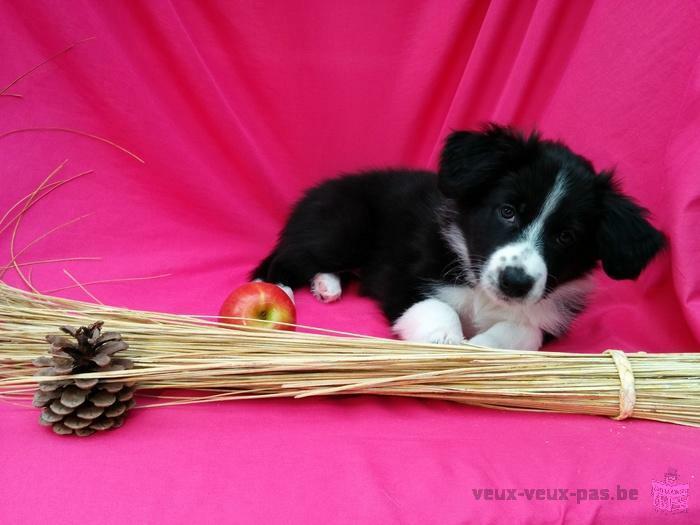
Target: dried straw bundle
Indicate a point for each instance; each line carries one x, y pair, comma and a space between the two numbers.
187, 352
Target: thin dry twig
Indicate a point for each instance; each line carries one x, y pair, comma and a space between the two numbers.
49, 261
35, 196
76, 132
19, 220
80, 285
13, 262
109, 281
18, 203
3, 91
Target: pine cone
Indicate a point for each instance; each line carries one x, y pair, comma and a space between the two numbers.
83, 406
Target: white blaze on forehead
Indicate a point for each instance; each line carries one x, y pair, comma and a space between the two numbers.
535, 230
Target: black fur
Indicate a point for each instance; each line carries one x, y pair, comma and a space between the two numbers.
626, 242
387, 226
381, 225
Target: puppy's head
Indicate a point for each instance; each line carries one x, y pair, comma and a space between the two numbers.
535, 215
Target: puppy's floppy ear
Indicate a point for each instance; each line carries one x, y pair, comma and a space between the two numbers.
472, 160
626, 241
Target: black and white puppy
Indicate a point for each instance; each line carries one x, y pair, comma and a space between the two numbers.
498, 246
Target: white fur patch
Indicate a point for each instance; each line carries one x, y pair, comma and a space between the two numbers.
326, 287
430, 321
509, 336
535, 230
455, 239
479, 312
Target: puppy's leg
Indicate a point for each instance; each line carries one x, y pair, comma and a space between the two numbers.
326, 287
285, 270
510, 336
329, 231
429, 321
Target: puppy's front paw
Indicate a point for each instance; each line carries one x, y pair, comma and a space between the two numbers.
326, 287
482, 339
429, 321
509, 336
447, 336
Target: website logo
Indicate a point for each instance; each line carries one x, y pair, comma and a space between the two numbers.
670, 495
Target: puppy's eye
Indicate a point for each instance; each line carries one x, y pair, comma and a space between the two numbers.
566, 238
507, 212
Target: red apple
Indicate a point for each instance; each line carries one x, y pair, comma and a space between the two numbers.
262, 305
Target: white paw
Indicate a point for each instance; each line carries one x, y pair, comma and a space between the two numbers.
509, 336
326, 287
445, 337
482, 340
287, 290
430, 321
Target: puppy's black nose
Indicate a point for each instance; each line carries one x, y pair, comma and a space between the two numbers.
514, 282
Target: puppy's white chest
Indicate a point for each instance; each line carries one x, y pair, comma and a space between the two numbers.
476, 312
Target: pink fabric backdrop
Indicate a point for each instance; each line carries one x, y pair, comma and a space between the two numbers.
235, 109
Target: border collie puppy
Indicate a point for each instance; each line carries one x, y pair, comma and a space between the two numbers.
498, 246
